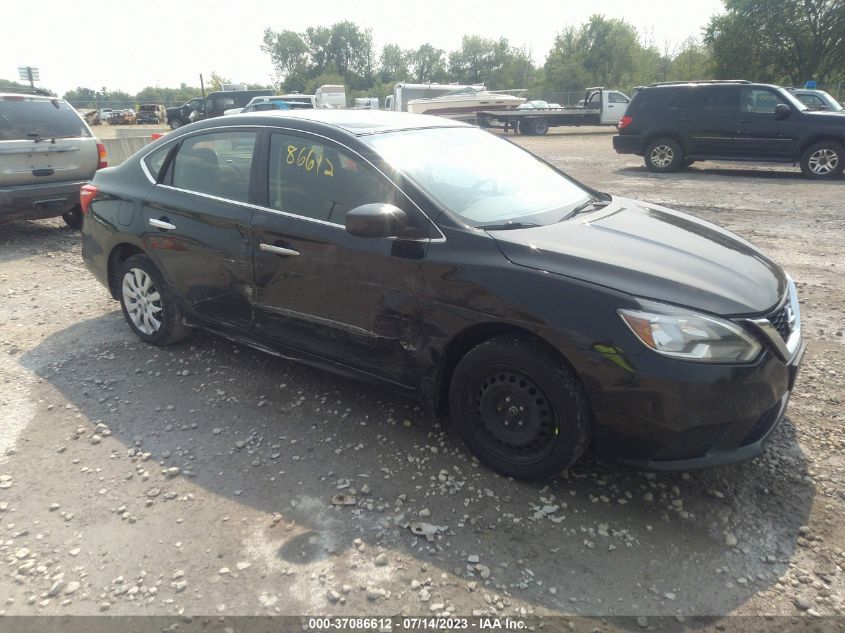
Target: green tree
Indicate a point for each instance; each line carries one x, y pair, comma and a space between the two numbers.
427, 64
783, 40
215, 83
289, 55
393, 64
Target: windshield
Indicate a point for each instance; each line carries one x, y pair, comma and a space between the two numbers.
22, 119
791, 98
483, 179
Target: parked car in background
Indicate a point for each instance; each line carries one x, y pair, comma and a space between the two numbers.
216, 103
105, 113
285, 104
537, 104
178, 116
47, 153
122, 117
151, 113
440, 260
265, 106
816, 99
674, 124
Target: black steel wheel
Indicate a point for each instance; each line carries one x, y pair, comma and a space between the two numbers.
520, 408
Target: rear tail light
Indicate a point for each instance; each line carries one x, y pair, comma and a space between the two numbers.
103, 156
86, 195
625, 121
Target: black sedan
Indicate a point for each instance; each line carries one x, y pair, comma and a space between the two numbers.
451, 264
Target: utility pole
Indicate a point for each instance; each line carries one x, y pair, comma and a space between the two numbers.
202, 86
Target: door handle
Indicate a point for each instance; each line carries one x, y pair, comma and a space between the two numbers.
161, 224
278, 250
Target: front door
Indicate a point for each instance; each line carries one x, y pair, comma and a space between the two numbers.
350, 300
759, 134
197, 223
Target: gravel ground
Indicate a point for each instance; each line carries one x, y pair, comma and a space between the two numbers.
206, 478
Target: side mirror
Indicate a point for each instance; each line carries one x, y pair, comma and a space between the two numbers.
782, 111
376, 220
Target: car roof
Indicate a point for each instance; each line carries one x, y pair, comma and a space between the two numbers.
358, 122
29, 96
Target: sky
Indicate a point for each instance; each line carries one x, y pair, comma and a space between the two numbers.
96, 44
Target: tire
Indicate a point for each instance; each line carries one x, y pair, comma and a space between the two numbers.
155, 301
175, 123
664, 156
539, 126
823, 160
540, 392
73, 218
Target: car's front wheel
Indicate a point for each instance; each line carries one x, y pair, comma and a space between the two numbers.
823, 161
519, 408
149, 305
664, 155
174, 123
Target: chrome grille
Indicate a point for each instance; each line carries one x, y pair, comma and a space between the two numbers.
780, 321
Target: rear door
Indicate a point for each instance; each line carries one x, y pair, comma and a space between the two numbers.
707, 116
43, 141
355, 301
197, 223
759, 134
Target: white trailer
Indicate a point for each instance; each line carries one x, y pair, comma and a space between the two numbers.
330, 96
404, 92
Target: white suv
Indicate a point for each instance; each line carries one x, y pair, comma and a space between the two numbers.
47, 152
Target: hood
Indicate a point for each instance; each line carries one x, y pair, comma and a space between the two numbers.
822, 117
653, 253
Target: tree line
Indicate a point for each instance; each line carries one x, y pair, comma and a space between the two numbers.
786, 42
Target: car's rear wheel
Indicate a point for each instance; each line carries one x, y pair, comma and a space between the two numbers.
174, 123
519, 408
664, 155
149, 305
823, 161
73, 218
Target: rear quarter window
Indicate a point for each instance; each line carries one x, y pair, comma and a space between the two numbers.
654, 100
22, 119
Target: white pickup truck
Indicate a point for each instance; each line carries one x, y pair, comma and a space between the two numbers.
599, 107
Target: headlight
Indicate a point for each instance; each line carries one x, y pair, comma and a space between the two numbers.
689, 335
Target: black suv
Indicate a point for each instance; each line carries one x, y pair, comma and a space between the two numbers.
674, 124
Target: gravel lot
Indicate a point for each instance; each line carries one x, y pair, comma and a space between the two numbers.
199, 479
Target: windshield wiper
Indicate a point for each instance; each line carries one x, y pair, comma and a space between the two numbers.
589, 204
507, 225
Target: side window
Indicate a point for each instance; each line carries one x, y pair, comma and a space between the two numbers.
759, 101
718, 99
155, 161
315, 180
217, 164
811, 101
617, 97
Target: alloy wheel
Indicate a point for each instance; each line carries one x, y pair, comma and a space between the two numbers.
142, 300
823, 161
662, 155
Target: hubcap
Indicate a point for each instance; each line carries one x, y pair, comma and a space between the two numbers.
142, 301
662, 155
823, 161
513, 416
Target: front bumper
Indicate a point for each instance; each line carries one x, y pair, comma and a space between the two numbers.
685, 416
33, 202
627, 143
